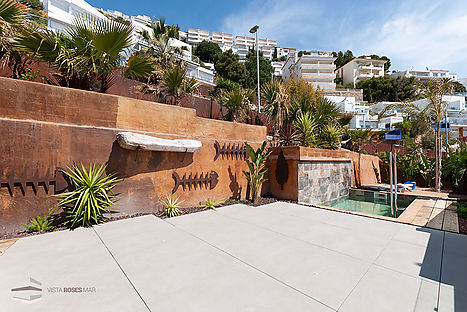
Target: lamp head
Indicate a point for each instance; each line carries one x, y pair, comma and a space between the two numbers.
254, 29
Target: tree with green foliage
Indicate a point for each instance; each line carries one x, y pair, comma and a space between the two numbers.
458, 87
387, 88
228, 66
342, 58
303, 52
387, 65
265, 70
207, 51
274, 55
223, 85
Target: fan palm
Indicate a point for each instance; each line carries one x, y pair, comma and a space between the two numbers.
85, 54
12, 15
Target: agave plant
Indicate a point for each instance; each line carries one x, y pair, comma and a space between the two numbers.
211, 204
86, 53
38, 224
255, 175
171, 206
91, 197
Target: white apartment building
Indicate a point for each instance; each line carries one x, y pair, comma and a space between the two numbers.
316, 68
222, 38
61, 12
140, 23
360, 69
424, 75
277, 68
196, 36
286, 52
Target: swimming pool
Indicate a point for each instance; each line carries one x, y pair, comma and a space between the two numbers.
377, 203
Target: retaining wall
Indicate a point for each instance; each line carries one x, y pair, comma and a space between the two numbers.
46, 127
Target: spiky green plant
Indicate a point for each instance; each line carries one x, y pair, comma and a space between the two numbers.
332, 134
255, 175
40, 223
211, 204
306, 125
235, 101
171, 206
92, 195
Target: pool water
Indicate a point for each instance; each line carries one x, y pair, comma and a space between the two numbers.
367, 202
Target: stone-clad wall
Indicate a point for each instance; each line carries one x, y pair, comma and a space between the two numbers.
323, 180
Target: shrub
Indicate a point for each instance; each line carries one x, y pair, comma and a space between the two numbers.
462, 209
455, 167
39, 223
211, 204
91, 198
171, 206
256, 169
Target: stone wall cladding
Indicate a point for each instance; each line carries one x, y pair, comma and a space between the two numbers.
322, 181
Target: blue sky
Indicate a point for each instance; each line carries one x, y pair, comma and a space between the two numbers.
413, 33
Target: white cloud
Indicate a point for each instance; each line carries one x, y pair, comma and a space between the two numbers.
434, 37
415, 34
278, 19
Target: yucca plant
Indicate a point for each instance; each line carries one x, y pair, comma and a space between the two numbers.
91, 197
306, 125
40, 223
171, 206
211, 204
332, 134
255, 175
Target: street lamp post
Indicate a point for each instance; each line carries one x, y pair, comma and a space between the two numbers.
254, 30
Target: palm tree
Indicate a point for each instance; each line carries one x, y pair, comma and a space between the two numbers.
175, 84
434, 90
428, 118
235, 101
86, 53
274, 94
11, 15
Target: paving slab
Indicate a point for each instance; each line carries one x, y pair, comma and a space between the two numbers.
436, 219
61, 261
321, 273
340, 239
451, 221
175, 271
413, 260
384, 290
277, 257
453, 290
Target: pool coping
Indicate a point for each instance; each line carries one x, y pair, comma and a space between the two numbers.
447, 218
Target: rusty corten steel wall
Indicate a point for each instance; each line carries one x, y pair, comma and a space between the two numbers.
45, 127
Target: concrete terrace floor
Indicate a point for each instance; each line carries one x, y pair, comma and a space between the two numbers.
277, 257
